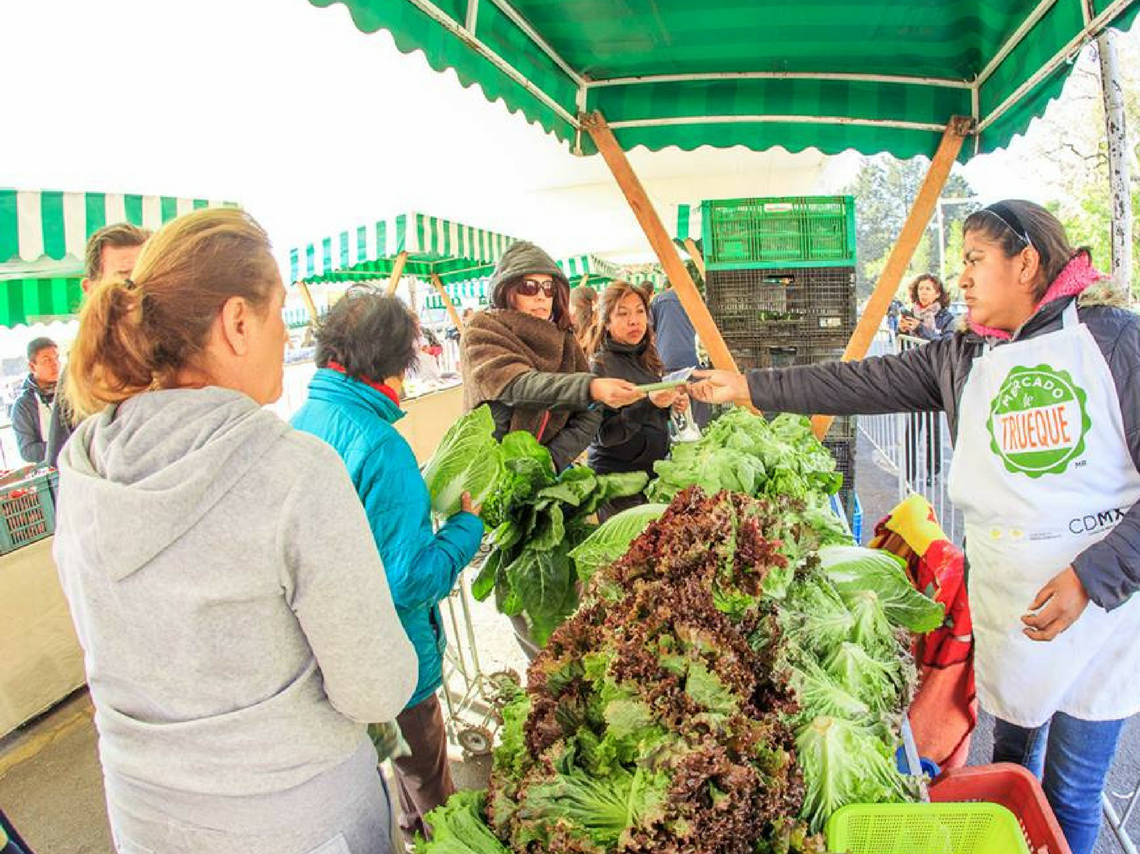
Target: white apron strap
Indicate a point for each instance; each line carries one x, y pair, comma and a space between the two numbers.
1069, 318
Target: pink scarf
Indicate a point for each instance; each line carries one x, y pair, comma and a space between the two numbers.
1078, 275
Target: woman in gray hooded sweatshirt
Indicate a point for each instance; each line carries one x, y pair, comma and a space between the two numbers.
235, 618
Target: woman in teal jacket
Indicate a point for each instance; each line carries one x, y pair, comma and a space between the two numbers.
364, 346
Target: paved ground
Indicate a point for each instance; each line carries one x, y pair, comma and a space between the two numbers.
50, 783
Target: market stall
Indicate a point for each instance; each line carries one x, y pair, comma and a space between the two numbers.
602, 719
708, 75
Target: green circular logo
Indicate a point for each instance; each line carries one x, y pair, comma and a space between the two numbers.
1038, 421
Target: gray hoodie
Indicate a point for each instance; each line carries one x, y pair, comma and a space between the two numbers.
235, 618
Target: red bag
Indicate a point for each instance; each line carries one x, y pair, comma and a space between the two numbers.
945, 709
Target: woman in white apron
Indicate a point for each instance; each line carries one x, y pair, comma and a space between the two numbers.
1042, 392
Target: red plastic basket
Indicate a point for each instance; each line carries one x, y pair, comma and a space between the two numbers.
1012, 787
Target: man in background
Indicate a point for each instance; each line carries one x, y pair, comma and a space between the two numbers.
111, 255
32, 409
676, 340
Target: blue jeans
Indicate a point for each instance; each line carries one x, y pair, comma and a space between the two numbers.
1075, 756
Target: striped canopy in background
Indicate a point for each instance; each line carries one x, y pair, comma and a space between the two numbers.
43, 237
453, 251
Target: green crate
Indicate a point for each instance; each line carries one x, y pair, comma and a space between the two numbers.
27, 512
787, 232
973, 828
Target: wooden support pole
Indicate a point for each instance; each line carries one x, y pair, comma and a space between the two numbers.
397, 271
307, 298
452, 312
695, 254
902, 252
663, 247
585, 280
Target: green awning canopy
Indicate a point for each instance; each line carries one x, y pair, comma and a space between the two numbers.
873, 75
454, 252
43, 237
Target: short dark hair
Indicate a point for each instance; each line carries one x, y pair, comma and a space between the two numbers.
943, 297
36, 345
370, 334
119, 234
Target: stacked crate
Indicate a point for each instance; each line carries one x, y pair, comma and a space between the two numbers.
780, 283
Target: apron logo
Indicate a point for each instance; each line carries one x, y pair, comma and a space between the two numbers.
1038, 421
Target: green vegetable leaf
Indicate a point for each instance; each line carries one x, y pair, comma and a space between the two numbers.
844, 763
611, 539
467, 460
855, 570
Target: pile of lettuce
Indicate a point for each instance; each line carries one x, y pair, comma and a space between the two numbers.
691, 705
746, 453
536, 516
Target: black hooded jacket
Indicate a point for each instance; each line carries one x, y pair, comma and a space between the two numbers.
634, 437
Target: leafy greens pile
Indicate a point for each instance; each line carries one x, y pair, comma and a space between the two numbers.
742, 452
537, 517
690, 705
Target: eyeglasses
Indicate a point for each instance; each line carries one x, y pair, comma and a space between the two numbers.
531, 287
1010, 220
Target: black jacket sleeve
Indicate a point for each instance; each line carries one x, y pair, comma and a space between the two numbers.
1110, 569
572, 439
907, 382
26, 425
545, 390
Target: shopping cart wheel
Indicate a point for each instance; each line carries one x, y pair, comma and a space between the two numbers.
476, 740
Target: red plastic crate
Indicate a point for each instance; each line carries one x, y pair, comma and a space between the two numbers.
1012, 787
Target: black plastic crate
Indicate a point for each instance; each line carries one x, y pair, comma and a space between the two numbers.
844, 452
811, 302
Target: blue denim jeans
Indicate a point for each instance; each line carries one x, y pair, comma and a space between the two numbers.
1075, 757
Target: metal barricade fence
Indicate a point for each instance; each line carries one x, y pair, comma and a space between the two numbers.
915, 445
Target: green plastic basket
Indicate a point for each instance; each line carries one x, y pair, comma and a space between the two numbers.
925, 829
784, 232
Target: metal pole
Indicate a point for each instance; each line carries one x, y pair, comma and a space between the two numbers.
1116, 131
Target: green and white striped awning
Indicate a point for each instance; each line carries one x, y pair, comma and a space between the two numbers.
599, 270
873, 75
453, 251
43, 238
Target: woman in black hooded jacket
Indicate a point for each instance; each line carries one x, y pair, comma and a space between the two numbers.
634, 437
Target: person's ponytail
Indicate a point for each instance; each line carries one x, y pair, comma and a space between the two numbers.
111, 359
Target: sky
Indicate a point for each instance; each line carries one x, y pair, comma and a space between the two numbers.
316, 127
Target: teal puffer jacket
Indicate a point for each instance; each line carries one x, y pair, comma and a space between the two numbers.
422, 566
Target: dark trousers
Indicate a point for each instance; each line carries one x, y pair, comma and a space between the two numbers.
423, 779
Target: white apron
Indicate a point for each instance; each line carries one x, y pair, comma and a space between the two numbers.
1041, 471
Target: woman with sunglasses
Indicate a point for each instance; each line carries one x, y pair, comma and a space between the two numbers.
521, 358
1043, 405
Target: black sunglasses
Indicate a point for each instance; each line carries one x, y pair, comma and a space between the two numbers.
530, 287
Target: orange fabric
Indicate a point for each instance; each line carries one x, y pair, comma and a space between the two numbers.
945, 709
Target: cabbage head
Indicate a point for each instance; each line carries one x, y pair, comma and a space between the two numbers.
468, 459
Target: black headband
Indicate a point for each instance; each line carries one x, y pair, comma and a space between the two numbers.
1010, 220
